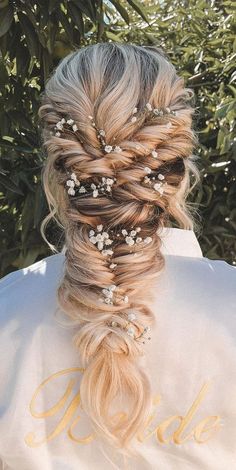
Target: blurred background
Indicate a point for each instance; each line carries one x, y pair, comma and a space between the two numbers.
199, 39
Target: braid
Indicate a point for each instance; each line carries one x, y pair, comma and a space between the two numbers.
124, 155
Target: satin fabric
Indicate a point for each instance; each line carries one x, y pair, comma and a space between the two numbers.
191, 360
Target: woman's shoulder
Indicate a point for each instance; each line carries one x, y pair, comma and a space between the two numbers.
202, 274
31, 289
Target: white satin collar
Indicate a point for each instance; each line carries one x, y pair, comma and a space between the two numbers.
179, 242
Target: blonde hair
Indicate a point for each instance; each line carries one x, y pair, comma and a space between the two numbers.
107, 81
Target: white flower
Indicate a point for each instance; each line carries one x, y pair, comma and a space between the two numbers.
59, 125
107, 252
75, 128
99, 227
105, 235
71, 191
82, 189
124, 232
135, 110
118, 149
154, 154
93, 240
134, 119
70, 121
73, 176
102, 132
108, 293
133, 233
147, 240
99, 237
147, 170
93, 186
57, 134
138, 240
91, 233
95, 193
157, 186
63, 120
138, 229
112, 265
112, 287
70, 183
161, 177
110, 181
149, 106
126, 299
108, 241
108, 148
131, 316
129, 241
114, 323
131, 331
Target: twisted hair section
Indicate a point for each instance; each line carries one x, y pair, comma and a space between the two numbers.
110, 82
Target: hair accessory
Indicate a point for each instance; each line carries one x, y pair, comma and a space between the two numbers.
134, 118
101, 134
102, 239
130, 328
160, 111
72, 182
158, 185
154, 154
60, 126
155, 112
105, 186
108, 293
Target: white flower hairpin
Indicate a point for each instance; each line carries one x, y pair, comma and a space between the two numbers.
155, 112
59, 127
158, 180
75, 186
102, 239
101, 136
109, 295
130, 327
160, 111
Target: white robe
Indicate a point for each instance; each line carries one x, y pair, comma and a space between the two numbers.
191, 359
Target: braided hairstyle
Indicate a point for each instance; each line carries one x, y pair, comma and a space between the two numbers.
107, 87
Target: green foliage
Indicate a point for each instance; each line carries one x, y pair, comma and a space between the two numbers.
199, 38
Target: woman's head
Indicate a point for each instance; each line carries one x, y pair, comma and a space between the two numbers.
127, 152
